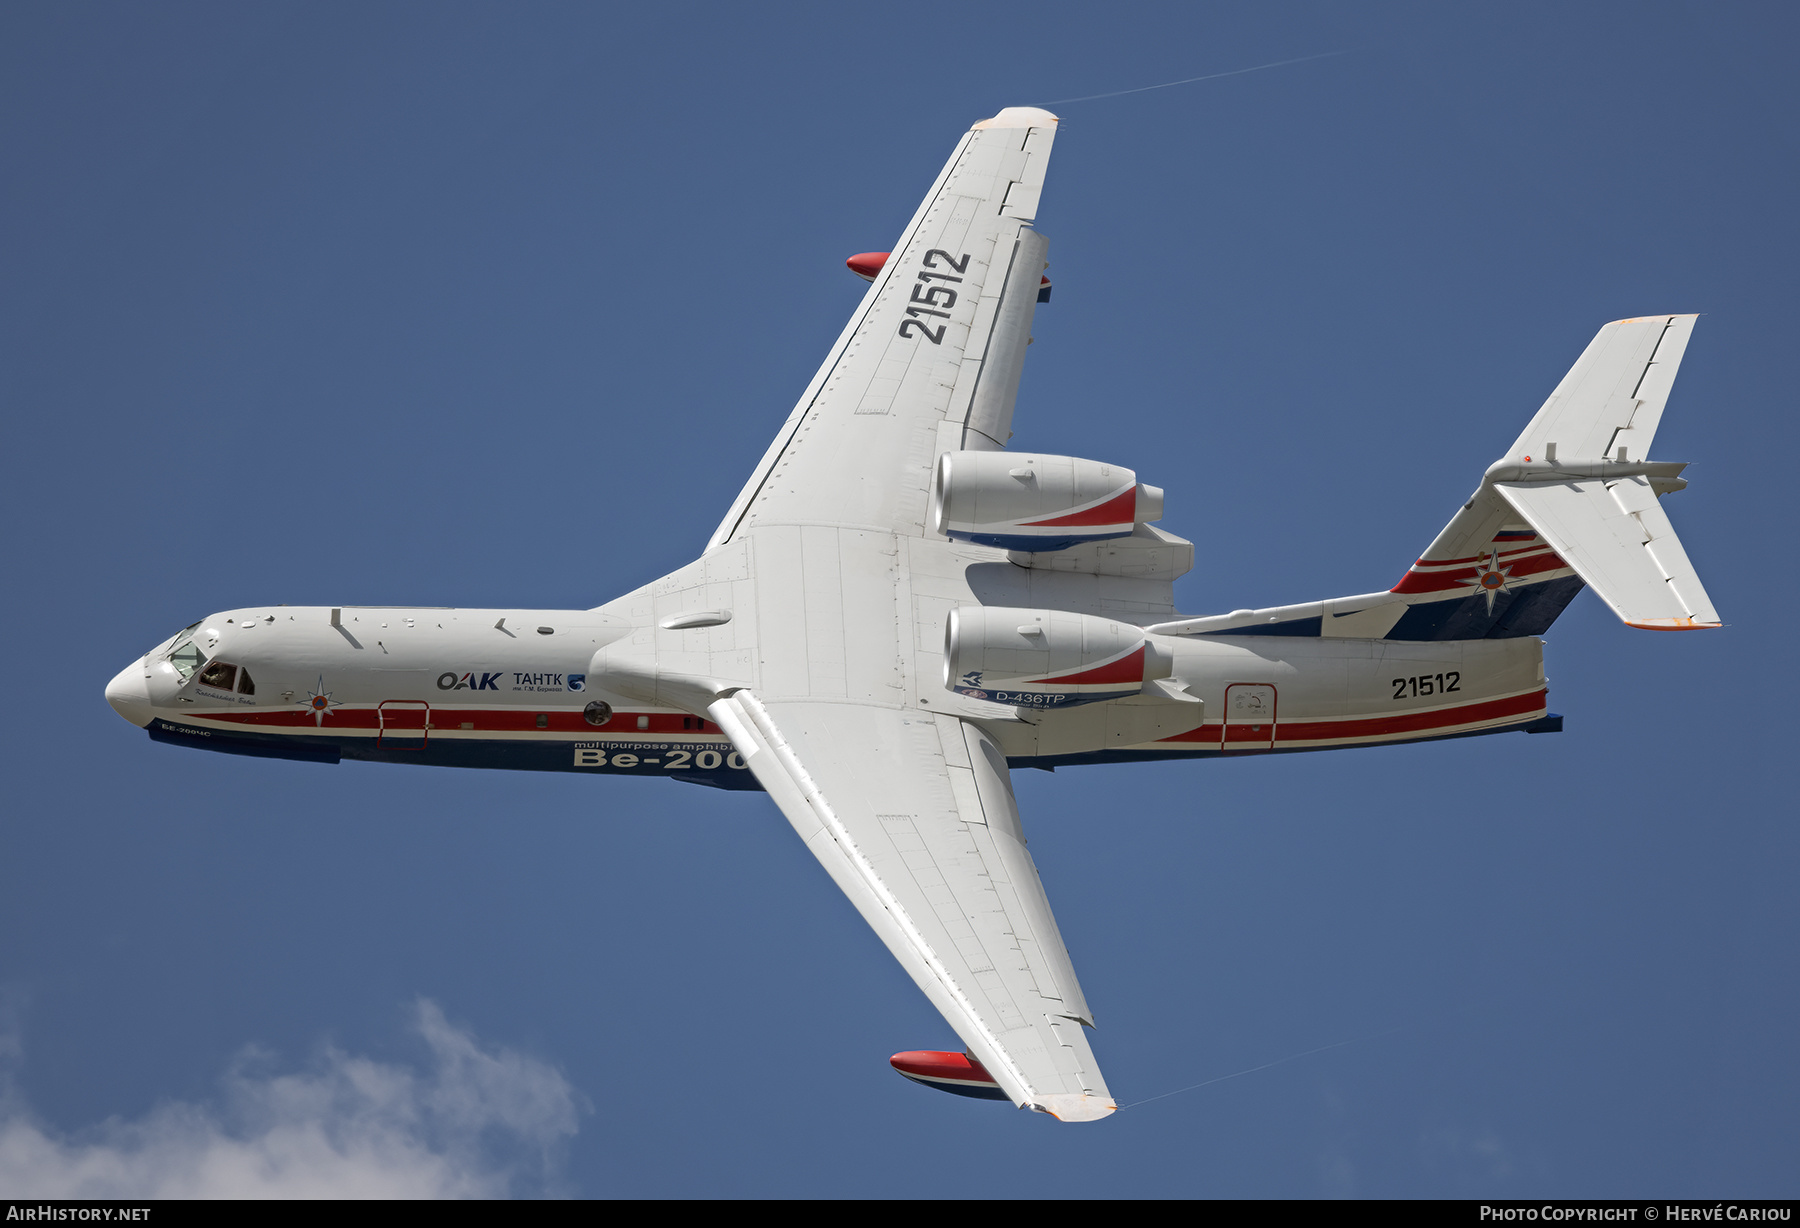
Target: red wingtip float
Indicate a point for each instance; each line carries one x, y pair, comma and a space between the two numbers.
956, 1073
866, 264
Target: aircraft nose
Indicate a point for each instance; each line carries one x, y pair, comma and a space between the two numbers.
129, 696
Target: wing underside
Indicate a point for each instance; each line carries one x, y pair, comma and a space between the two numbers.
913, 817
911, 812
931, 359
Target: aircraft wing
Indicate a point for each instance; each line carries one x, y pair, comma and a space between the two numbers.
911, 812
930, 361
913, 816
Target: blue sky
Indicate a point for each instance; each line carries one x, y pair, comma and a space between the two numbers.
460, 304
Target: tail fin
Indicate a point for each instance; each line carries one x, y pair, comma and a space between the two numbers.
1574, 500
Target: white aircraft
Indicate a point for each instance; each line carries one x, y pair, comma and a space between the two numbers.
897, 610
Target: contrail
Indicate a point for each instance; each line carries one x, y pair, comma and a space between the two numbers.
1236, 72
1293, 1057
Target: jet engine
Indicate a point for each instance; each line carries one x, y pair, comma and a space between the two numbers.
1046, 658
1037, 502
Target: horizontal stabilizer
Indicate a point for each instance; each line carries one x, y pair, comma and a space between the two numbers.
1617, 538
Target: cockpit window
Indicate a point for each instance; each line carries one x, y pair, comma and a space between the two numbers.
187, 658
220, 675
245, 686
180, 637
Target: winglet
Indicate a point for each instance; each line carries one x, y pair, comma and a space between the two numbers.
1019, 117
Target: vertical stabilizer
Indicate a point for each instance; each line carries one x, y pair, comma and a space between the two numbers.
1573, 502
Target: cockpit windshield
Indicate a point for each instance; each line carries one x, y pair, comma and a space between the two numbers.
184, 654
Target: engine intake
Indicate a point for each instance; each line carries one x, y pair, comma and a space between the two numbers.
1046, 658
1036, 503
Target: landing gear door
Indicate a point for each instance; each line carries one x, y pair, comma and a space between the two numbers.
404, 724
1249, 717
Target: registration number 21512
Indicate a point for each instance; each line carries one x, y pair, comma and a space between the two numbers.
1426, 684
934, 296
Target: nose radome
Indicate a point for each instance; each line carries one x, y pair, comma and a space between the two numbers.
129, 696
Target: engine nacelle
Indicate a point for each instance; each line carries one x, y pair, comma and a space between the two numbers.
1037, 502
1046, 658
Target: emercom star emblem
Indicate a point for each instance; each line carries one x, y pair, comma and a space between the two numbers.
1491, 578
320, 702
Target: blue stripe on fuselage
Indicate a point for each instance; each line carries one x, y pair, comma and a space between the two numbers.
519, 755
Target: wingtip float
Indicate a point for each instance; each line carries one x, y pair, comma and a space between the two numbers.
956, 1073
961, 1075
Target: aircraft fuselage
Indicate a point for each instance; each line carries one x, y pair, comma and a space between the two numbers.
529, 690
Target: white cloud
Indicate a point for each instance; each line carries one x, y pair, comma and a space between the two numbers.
477, 1123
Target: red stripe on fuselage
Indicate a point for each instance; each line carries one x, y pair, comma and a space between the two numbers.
483, 720
1388, 726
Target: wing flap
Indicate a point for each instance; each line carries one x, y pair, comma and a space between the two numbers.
996, 382
1617, 538
908, 814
